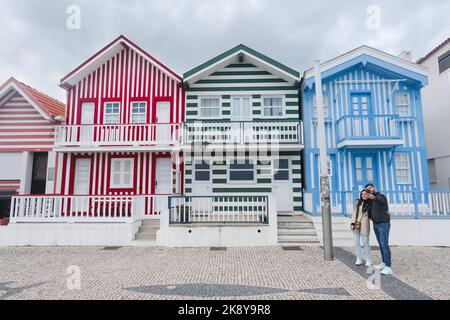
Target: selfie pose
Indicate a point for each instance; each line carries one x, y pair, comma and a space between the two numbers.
360, 226
380, 216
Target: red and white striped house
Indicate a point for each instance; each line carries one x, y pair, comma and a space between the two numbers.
121, 138
27, 123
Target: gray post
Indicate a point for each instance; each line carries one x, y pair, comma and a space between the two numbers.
324, 174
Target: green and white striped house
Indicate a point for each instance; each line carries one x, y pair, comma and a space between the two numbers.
243, 129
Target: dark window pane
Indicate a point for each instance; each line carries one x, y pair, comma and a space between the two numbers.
282, 175
283, 164
241, 175
244, 165
202, 176
202, 165
444, 62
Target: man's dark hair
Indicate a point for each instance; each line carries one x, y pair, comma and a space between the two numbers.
369, 185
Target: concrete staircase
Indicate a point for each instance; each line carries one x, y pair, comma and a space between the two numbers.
296, 230
342, 236
147, 231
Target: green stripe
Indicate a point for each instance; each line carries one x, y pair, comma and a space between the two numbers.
297, 162
191, 113
257, 104
256, 96
297, 189
221, 81
241, 65
191, 105
291, 96
297, 171
242, 190
241, 73
226, 97
226, 112
187, 190
296, 180
226, 104
269, 88
219, 171
289, 153
192, 97
291, 111
264, 180
298, 209
216, 181
256, 112
297, 199
188, 181
292, 104
188, 172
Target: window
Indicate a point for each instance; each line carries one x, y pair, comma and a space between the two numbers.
281, 170
122, 173
138, 112
112, 113
273, 106
209, 107
402, 104
242, 170
325, 105
444, 62
402, 168
432, 170
241, 108
202, 171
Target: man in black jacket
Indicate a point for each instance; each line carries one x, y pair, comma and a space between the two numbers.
379, 214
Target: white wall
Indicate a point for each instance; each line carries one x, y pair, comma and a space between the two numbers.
442, 173
10, 165
66, 234
436, 110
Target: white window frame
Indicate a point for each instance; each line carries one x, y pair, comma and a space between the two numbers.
241, 98
397, 105
253, 162
122, 173
195, 170
138, 113
403, 168
283, 106
105, 115
326, 106
200, 116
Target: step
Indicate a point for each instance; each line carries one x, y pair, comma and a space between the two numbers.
293, 219
148, 222
296, 232
294, 224
148, 228
297, 238
143, 236
305, 227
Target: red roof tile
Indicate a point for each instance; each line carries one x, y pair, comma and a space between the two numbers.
48, 104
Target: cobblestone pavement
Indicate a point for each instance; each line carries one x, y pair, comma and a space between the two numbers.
237, 273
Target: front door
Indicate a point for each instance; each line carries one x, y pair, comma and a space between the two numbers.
87, 121
163, 118
163, 179
39, 175
282, 185
362, 124
365, 171
241, 109
82, 176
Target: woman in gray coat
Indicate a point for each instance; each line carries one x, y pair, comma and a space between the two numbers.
360, 226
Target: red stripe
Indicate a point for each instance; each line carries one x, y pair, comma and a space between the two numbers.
25, 149
27, 137
50, 129
28, 143
27, 124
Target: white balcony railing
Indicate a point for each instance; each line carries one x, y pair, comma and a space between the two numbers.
57, 208
244, 132
159, 134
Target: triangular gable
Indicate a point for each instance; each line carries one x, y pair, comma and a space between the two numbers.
46, 106
376, 60
245, 54
107, 53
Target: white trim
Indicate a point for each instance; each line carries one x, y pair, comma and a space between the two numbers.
372, 52
104, 112
371, 143
122, 172
199, 107
252, 161
241, 97
283, 106
138, 113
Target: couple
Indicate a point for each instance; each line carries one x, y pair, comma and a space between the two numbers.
374, 206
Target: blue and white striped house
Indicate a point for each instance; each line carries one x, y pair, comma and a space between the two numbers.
374, 130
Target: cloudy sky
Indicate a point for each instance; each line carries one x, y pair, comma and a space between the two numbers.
38, 48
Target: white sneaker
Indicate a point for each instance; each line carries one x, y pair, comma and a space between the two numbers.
386, 271
358, 262
380, 266
368, 264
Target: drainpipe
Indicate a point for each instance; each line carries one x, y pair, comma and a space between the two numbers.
324, 175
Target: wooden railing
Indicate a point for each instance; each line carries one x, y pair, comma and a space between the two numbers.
219, 209
58, 208
244, 132
366, 127
118, 135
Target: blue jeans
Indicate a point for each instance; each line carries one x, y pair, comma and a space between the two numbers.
358, 237
382, 234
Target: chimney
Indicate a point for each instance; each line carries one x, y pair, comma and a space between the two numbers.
406, 55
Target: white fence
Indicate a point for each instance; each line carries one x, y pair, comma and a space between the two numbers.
118, 134
219, 209
55, 208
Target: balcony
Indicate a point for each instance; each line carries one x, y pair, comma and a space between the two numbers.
109, 137
368, 131
274, 132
